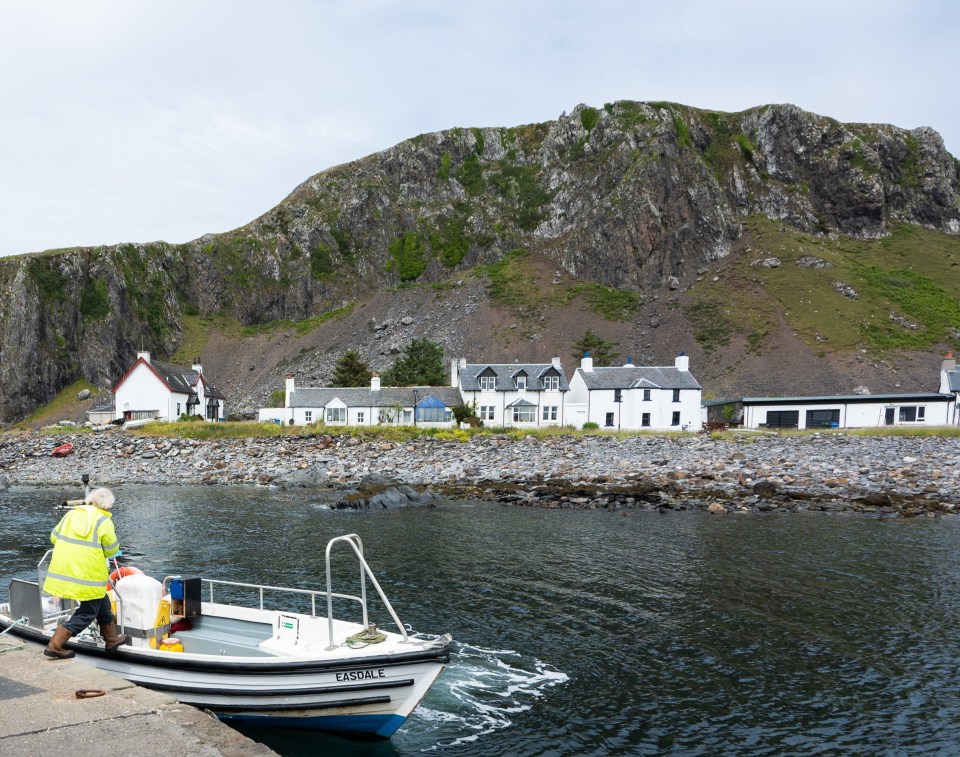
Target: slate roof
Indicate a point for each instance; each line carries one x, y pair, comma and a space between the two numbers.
953, 377
470, 375
184, 380
849, 399
363, 396
103, 402
638, 377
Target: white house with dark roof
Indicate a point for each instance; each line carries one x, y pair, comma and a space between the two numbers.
633, 397
513, 394
430, 406
153, 390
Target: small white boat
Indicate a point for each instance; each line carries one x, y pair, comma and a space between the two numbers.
250, 661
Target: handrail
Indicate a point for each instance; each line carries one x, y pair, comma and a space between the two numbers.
357, 545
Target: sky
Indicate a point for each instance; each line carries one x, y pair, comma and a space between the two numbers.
137, 121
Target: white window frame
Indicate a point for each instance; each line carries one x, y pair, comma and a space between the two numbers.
521, 383
549, 412
524, 414
487, 412
551, 383
488, 383
361, 415
336, 415
308, 416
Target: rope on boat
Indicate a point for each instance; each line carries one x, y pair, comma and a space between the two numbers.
364, 638
10, 646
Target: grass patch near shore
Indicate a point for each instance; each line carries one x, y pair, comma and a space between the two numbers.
256, 430
64, 406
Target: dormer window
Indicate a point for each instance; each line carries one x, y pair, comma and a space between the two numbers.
488, 383
551, 382
521, 381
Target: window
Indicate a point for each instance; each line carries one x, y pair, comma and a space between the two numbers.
486, 412
912, 413
549, 412
783, 418
488, 383
361, 417
609, 420
521, 382
645, 419
675, 421
646, 395
433, 414
178, 409
676, 395
407, 417
336, 415
308, 416
823, 418
525, 414
551, 383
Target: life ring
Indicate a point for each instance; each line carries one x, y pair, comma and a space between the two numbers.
126, 570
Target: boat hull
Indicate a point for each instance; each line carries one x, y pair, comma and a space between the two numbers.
370, 696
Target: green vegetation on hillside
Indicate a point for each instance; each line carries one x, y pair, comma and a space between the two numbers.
901, 292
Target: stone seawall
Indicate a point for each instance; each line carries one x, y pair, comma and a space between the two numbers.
752, 472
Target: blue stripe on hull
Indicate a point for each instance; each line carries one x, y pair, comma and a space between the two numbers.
383, 726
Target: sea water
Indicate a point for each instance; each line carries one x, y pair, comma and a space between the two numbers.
591, 633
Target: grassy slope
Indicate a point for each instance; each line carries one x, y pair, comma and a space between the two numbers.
913, 275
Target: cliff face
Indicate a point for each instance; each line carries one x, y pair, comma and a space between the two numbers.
626, 196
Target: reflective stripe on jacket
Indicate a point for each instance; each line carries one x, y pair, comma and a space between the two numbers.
83, 540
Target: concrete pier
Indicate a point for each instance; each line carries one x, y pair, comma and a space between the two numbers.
42, 716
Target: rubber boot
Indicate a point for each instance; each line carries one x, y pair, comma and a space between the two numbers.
55, 647
112, 639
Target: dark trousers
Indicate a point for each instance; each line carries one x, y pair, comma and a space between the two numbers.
90, 610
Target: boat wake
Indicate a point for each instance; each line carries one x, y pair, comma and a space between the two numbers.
478, 693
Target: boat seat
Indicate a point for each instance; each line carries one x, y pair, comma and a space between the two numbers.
226, 637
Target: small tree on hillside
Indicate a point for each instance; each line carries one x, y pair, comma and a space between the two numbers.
602, 351
350, 370
421, 365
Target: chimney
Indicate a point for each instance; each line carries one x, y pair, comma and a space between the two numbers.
197, 367
556, 362
144, 355
374, 382
947, 366
455, 366
682, 362
586, 363
290, 388
629, 363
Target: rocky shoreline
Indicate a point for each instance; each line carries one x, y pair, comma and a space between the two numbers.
893, 476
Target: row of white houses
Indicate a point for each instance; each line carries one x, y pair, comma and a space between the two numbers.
530, 395
524, 395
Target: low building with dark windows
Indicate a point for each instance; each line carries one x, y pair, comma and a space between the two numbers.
848, 411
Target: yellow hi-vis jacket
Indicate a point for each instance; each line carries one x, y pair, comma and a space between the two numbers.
83, 540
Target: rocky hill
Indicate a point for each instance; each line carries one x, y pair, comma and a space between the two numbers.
784, 251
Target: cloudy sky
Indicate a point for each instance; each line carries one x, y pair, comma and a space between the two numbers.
136, 121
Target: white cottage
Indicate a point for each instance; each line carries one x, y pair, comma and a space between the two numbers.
429, 406
152, 390
950, 384
633, 397
513, 394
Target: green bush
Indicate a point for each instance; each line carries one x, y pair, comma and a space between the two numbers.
590, 426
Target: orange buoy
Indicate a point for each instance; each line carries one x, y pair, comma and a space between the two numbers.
126, 570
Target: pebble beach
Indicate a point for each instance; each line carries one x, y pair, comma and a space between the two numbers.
885, 475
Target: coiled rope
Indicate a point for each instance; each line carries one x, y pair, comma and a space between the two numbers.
364, 638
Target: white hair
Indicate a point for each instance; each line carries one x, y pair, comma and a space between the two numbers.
102, 498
